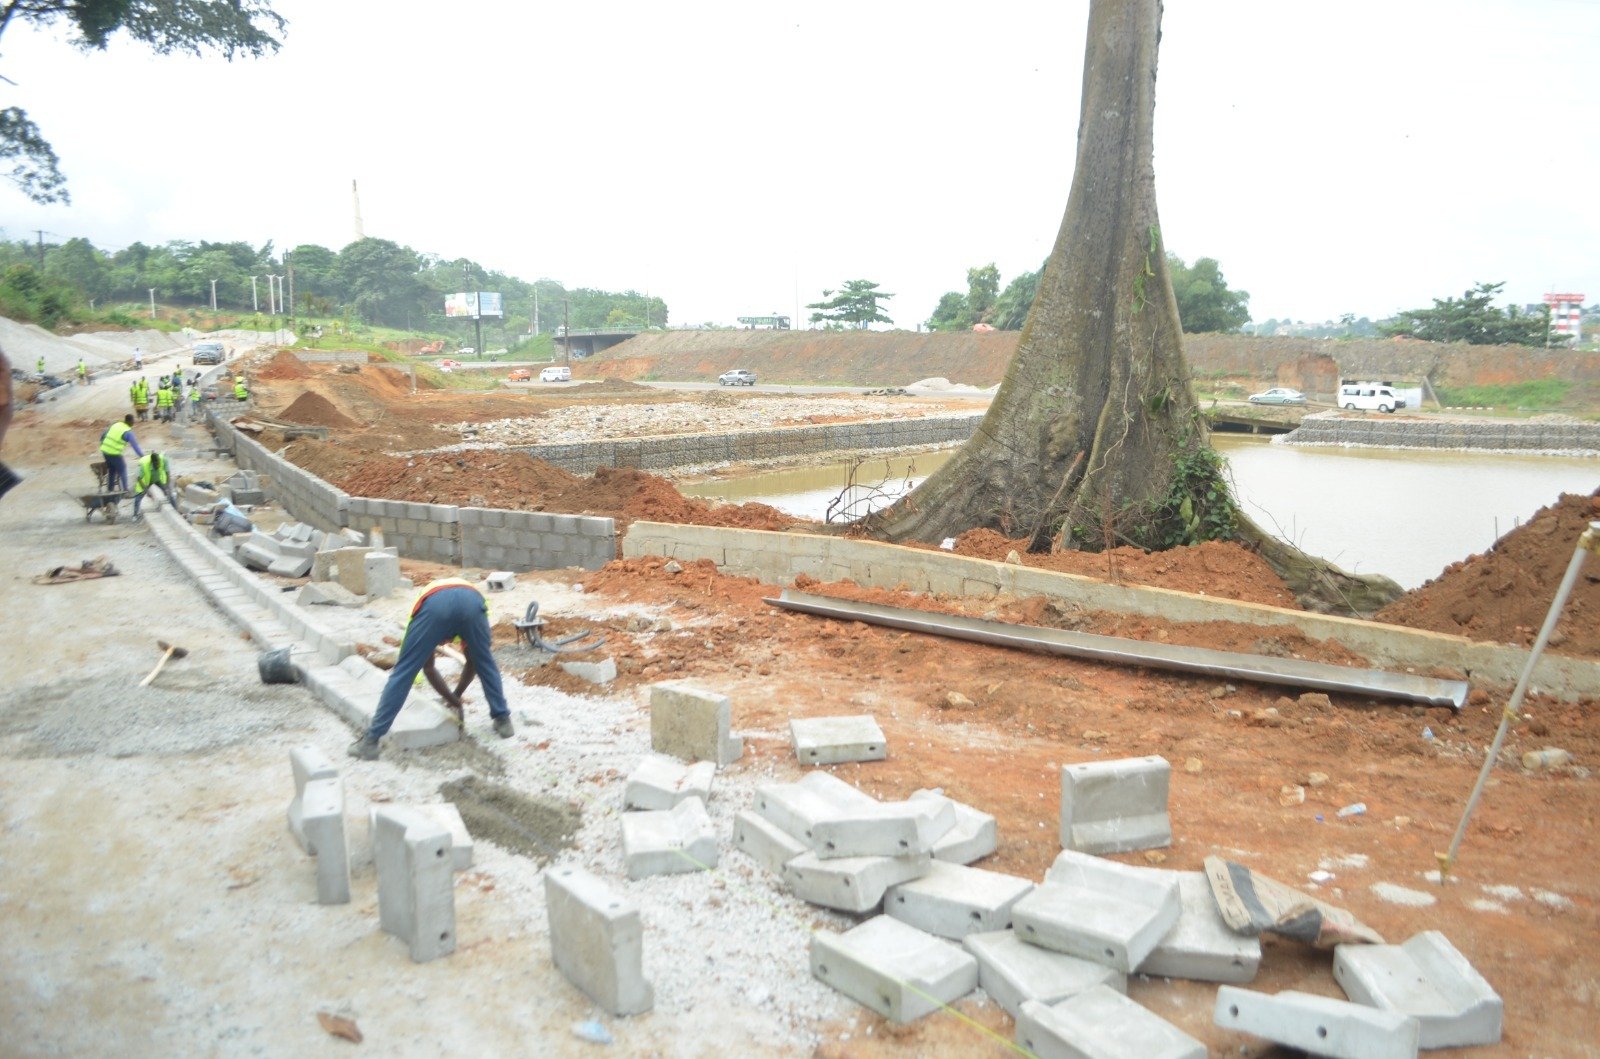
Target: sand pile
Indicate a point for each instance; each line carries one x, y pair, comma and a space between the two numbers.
314, 410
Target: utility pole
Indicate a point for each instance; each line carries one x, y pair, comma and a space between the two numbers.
152, 303
290, 269
477, 312
536, 312
41, 235
213, 295
255, 298
566, 332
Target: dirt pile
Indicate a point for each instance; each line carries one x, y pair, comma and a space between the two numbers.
1229, 571
1504, 594
283, 367
314, 410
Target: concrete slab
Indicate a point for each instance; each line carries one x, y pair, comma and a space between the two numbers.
602, 672
306, 763
952, 901
893, 968
328, 593
255, 556
323, 823
1099, 910
973, 837
1011, 971
850, 884
382, 573
1101, 1023
660, 782
416, 895
1115, 806
884, 829
669, 841
1429, 979
597, 940
446, 815
291, 566
1201, 946
350, 568
1318, 1024
833, 740
692, 723
796, 808
764, 842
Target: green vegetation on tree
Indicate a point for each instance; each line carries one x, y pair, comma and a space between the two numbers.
1474, 319
959, 312
1204, 301
855, 304
229, 27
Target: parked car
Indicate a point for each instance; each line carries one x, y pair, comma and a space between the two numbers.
1369, 396
1278, 395
737, 377
556, 373
520, 375
209, 353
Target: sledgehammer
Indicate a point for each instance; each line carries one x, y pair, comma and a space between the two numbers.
173, 651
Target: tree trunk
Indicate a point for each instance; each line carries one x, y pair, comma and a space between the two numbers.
1081, 440
1094, 438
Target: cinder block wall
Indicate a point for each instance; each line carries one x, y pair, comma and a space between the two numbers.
535, 540
1441, 434
420, 531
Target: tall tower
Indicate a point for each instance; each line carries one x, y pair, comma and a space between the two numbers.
355, 197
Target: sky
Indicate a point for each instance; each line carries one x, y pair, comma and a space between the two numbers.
739, 159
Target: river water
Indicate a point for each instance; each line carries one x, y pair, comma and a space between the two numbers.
1406, 513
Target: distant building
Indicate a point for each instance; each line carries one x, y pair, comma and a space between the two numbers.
1566, 316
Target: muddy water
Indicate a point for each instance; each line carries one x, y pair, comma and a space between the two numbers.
1404, 513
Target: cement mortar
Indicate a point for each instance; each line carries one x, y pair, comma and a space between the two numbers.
531, 825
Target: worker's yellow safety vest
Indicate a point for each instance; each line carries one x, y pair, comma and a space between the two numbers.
164, 397
239, 392
147, 475
115, 439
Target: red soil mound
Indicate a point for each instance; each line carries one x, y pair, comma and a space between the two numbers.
1504, 594
284, 366
314, 410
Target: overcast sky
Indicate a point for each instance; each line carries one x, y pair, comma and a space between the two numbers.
738, 158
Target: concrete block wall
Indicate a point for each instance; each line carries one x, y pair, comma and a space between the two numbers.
330, 356
1442, 434
535, 540
778, 558
420, 531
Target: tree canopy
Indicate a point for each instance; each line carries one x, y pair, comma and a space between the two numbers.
959, 312
1204, 301
1473, 318
855, 303
228, 27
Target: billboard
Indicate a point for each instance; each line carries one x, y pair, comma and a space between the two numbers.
473, 304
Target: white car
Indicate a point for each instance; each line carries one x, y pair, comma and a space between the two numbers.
559, 373
1278, 395
737, 377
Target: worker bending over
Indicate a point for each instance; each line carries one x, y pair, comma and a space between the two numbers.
152, 472
443, 611
113, 443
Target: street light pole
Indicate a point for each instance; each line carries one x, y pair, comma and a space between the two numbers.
152, 303
213, 295
255, 298
566, 332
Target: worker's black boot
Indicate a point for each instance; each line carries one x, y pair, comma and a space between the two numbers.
365, 748
502, 727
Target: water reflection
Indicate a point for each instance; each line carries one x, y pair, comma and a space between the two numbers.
1404, 513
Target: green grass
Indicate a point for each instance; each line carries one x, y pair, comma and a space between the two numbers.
1533, 394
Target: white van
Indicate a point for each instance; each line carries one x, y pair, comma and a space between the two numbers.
1369, 396
559, 373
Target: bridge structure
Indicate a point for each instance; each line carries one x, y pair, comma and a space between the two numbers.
587, 341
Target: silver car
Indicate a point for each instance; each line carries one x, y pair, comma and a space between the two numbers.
1278, 395
737, 377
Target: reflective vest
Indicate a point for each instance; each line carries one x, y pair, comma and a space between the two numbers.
194, 395
144, 391
240, 393
115, 439
133, 394
164, 397
82, 371
146, 476
439, 585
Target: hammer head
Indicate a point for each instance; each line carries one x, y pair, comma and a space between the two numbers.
177, 652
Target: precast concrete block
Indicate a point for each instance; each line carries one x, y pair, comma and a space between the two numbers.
350, 569
884, 829
973, 837
1429, 979
1101, 1023
952, 900
1099, 910
764, 842
660, 782
322, 820
255, 556
291, 566
247, 497
601, 672
447, 816
850, 884
1011, 971
500, 581
416, 895
798, 807
893, 968
692, 723
382, 573
597, 940
1115, 806
297, 549
1318, 1024
1201, 946
669, 841
322, 565
327, 593
306, 763
833, 740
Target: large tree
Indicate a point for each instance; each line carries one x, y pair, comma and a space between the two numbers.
855, 303
1204, 301
1473, 318
230, 27
1094, 438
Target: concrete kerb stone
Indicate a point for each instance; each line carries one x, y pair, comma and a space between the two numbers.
416, 888
597, 940
1101, 1023
306, 763
601, 672
669, 841
1320, 1025
1428, 979
1011, 971
660, 782
1201, 947
796, 808
973, 837
447, 816
322, 823
764, 842
892, 968
692, 723
1115, 806
835, 740
1099, 910
850, 884
883, 829
952, 901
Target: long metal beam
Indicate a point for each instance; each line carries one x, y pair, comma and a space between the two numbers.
1115, 649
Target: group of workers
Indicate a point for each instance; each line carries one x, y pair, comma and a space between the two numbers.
173, 396
153, 472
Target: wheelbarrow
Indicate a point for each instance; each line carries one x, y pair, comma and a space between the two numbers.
105, 503
530, 625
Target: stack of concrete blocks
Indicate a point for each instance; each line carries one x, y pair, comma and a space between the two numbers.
1319, 1025
421, 531
597, 940
893, 968
1428, 979
316, 820
447, 816
1099, 910
535, 540
245, 488
1011, 971
416, 886
1101, 1022
692, 724
1115, 806
836, 740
